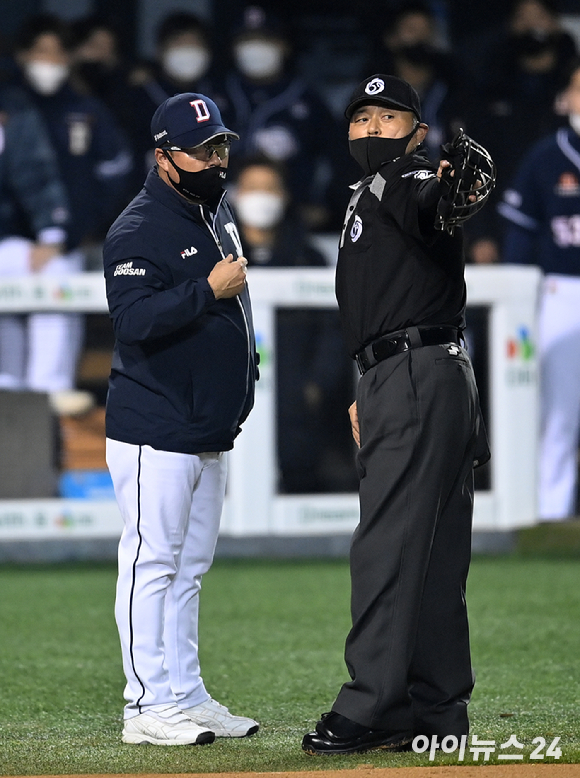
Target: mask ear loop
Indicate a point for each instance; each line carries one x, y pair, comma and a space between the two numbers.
170, 158
414, 130
176, 184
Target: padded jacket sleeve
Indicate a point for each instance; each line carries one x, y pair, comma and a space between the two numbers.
145, 304
32, 171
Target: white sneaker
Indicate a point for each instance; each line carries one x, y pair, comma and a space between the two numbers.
165, 725
214, 716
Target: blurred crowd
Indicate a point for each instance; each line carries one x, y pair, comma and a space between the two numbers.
75, 112
501, 85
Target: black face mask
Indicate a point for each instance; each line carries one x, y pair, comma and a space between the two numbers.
372, 152
201, 187
532, 43
96, 75
420, 54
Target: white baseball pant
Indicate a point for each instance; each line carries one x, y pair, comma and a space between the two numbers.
38, 351
559, 354
171, 506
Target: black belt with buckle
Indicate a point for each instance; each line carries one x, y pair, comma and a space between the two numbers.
402, 340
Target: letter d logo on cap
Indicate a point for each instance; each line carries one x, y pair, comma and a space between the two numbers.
201, 110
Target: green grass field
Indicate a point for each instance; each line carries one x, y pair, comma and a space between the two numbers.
272, 636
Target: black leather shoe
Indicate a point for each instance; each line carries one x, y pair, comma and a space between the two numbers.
335, 734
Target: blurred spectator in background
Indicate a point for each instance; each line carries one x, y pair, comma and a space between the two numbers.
409, 48
36, 350
279, 116
272, 230
313, 373
183, 57
471, 24
543, 211
98, 63
534, 52
93, 163
93, 155
510, 98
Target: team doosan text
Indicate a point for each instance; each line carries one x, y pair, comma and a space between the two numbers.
127, 269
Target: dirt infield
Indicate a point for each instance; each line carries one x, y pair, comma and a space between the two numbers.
527, 770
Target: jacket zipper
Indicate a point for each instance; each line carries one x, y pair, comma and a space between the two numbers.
221, 250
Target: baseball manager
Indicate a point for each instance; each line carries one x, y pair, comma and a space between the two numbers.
401, 293
182, 383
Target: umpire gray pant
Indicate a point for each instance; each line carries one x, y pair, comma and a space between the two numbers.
408, 650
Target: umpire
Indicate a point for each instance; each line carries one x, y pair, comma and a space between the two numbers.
401, 294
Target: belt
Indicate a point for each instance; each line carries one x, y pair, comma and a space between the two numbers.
403, 340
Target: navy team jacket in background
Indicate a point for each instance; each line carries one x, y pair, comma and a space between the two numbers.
93, 157
184, 365
542, 207
29, 178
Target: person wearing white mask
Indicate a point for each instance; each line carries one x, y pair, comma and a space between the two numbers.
542, 207
280, 116
271, 229
260, 57
93, 162
182, 59
183, 51
186, 59
312, 371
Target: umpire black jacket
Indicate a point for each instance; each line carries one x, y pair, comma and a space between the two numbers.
184, 364
395, 270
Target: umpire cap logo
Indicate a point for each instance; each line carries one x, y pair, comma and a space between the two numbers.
356, 229
375, 86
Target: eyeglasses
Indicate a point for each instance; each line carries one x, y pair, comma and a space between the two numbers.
206, 151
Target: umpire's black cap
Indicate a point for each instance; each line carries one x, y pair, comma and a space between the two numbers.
388, 90
187, 120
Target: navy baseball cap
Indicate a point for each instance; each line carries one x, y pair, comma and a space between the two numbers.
387, 90
187, 120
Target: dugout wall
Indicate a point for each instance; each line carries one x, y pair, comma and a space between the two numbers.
502, 301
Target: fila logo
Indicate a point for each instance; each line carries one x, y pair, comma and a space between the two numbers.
201, 110
188, 252
454, 350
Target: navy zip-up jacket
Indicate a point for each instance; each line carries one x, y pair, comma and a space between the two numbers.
93, 158
29, 180
184, 365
